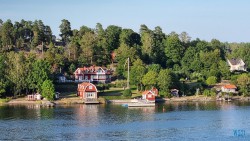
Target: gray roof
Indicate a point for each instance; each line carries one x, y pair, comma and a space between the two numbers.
234, 61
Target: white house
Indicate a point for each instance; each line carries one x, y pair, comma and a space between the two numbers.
236, 65
229, 88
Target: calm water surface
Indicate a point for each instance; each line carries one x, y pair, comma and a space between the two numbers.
168, 121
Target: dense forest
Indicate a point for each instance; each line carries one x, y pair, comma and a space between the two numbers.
31, 58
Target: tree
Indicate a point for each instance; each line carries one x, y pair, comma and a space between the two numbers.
48, 90
7, 37
150, 79
244, 82
138, 70
112, 37
40, 73
154, 67
122, 54
188, 59
211, 80
65, 29
174, 49
88, 47
184, 37
164, 80
224, 70
147, 44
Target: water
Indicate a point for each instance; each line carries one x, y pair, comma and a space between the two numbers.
176, 121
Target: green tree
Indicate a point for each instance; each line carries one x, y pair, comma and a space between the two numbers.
88, 47
138, 70
40, 73
154, 67
174, 49
112, 37
48, 90
150, 79
122, 54
244, 82
7, 37
164, 80
211, 80
224, 70
65, 29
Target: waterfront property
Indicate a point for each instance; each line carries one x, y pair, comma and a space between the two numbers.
174, 92
150, 95
88, 92
36, 96
229, 88
236, 65
93, 74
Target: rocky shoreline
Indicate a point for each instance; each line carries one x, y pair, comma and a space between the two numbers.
76, 100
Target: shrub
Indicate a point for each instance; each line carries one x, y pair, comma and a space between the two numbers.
165, 94
127, 93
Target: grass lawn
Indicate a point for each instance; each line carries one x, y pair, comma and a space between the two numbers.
116, 93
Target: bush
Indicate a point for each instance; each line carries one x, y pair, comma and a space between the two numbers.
211, 80
165, 94
127, 93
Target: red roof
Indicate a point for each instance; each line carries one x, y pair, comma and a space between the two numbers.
85, 86
152, 91
230, 86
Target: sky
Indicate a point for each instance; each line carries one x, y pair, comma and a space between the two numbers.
225, 20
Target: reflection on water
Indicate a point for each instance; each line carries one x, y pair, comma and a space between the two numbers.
166, 121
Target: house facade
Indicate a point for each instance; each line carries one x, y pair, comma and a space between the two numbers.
150, 95
93, 74
236, 65
88, 92
229, 88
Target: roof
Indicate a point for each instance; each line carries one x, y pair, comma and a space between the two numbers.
85, 86
94, 69
152, 91
145, 92
234, 61
229, 86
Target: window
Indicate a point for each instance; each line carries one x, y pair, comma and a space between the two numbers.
90, 87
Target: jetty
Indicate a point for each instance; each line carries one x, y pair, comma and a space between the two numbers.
141, 103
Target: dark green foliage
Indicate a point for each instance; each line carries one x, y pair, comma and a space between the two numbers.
127, 93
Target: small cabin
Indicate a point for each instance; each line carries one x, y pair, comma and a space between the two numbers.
174, 92
229, 88
36, 96
150, 95
88, 92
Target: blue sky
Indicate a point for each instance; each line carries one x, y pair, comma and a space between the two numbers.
226, 20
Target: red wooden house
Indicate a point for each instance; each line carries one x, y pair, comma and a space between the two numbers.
150, 95
94, 74
88, 92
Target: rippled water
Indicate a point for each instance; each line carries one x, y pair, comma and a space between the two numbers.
168, 121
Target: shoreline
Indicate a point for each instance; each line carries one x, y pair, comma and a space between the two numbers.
76, 100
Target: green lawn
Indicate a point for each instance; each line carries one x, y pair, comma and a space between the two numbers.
116, 93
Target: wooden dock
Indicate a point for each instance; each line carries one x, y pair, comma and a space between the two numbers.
141, 104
